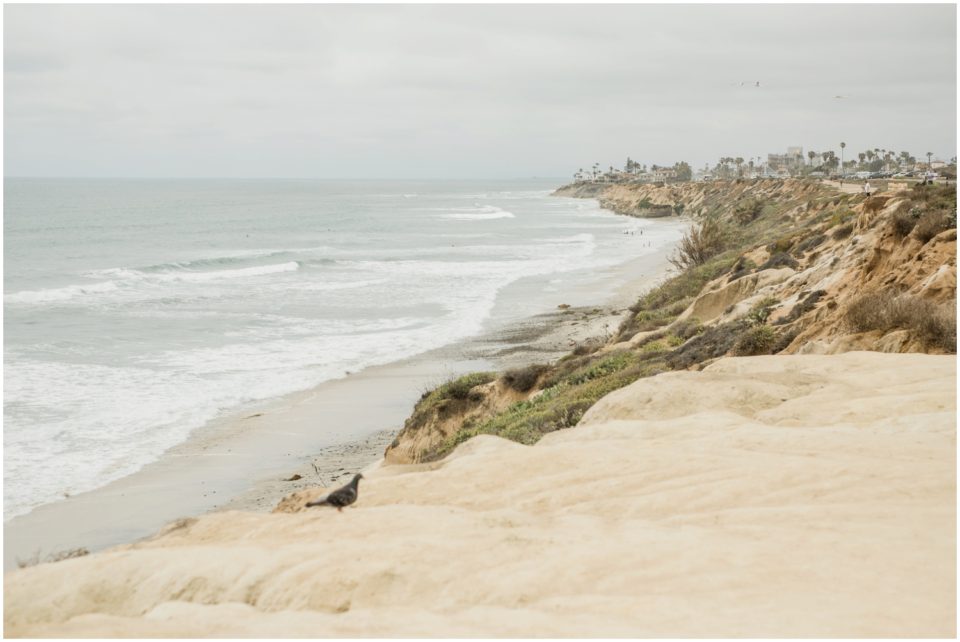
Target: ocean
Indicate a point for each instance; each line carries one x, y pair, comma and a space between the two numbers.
138, 310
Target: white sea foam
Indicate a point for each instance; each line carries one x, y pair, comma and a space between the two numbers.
126, 278
479, 213
59, 294
193, 336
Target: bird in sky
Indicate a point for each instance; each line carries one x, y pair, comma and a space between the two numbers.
343, 496
838, 97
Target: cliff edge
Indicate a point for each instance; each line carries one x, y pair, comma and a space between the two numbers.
769, 496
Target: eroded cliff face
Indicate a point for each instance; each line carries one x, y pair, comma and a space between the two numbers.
804, 270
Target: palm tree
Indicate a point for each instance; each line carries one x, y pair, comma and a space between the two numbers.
842, 146
810, 155
929, 154
862, 156
739, 162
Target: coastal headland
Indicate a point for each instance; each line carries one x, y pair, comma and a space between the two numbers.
764, 446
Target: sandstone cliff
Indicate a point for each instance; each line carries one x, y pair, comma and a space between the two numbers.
772, 496
798, 268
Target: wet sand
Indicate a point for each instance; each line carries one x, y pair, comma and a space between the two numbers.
243, 461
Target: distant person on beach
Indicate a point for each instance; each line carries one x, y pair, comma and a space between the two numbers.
866, 188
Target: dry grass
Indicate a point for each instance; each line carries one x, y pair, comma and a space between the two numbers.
902, 223
700, 244
931, 224
523, 379
935, 325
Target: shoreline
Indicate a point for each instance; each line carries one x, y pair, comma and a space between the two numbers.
236, 462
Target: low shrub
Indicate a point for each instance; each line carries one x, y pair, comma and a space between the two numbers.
759, 339
713, 342
760, 312
699, 244
523, 379
460, 388
842, 232
808, 244
747, 211
688, 328
742, 267
841, 217
902, 223
781, 259
590, 346
935, 325
931, 224
782, 245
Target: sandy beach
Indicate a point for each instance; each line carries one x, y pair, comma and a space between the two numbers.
776, 496
242, 460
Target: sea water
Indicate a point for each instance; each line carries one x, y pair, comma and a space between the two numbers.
135, 311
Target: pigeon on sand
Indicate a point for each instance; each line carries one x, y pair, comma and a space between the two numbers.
343, 496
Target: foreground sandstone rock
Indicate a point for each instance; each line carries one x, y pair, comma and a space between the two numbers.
764, 496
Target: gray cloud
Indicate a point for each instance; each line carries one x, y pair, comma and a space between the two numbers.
461, 91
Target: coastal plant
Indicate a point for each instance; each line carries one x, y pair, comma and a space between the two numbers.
779, 260
931, 224
460, 387
759, 339
713, 342
760, 312
746, 211
808, 244
902, 223
742, 267
699, 244
840, 217
589, 346
523, 379
782, 245
842, 231
558, 407
689, 327
933, 324
615, 362
653, 346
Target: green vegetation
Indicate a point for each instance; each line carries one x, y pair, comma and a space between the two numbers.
460, 388
747, 211
757, 340
559, 406
560, 393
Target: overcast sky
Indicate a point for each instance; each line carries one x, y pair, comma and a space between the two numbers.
464, 91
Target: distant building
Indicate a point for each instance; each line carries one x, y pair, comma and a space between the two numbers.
664, 174
787, 163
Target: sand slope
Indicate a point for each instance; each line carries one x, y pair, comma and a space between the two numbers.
764, 496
